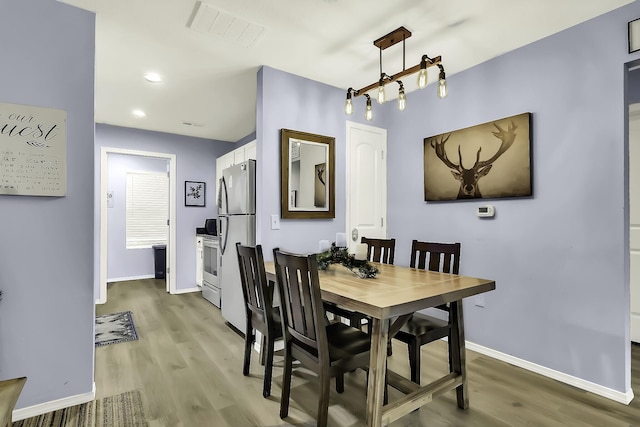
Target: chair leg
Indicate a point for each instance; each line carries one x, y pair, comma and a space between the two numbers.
248, 340
340, 383
323, 403
268, 366
286, 385
263, 346
414, 361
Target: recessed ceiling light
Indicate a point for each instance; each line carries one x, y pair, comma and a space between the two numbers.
138, 113
153, 77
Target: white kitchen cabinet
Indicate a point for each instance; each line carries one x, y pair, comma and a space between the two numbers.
251, 150
239, 155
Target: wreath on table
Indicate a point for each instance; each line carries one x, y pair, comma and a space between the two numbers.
338, 255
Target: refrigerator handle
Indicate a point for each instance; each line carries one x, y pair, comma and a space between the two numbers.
226, 234
226, 195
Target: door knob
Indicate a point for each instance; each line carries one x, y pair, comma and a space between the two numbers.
354, 234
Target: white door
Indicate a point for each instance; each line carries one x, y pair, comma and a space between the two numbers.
366, 182
634, 218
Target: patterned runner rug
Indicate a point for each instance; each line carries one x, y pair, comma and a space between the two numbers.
115, 328
123, 410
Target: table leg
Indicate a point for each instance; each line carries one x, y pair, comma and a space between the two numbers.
457, 353
377, 372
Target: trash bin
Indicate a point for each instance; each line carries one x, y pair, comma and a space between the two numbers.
160, 260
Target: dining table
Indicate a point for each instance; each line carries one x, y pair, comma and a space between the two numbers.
389, 299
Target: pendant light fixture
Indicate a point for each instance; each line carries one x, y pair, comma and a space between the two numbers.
399, 35
368, 113
402, 99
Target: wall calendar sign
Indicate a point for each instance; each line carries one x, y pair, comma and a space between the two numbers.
33, 150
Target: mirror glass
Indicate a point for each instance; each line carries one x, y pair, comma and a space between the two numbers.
307, 175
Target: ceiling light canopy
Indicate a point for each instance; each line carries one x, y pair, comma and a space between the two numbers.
399, 35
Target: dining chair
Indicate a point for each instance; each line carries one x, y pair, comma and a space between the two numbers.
328, 349
378, 250
260, 313
9, 393
422, 329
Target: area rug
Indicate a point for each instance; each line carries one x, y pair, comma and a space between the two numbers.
123, 410
115, 328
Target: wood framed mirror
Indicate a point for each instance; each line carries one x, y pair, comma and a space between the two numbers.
307, 175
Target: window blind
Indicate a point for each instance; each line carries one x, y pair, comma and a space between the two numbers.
147, 200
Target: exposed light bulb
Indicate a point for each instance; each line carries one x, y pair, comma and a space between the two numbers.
402, 100
348, 106
368, 114
442, 83
138, 113
381, 94
423, 78
442, 88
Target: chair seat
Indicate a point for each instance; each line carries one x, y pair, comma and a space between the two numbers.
423, 325
345, 341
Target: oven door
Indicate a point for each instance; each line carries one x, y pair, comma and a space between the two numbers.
210, 262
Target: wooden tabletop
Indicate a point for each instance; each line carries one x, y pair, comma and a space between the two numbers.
395, 290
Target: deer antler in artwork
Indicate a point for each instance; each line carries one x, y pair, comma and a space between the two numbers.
507, 138
469, 177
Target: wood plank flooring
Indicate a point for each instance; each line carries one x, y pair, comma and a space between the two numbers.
188, 365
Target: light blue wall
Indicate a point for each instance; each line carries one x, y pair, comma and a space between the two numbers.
560, 258
245, 139
46, 268
195, 161
123, 263
292, 102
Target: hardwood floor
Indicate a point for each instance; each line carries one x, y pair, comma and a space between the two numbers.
188, 365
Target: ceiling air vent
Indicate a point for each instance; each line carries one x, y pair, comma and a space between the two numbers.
207, 19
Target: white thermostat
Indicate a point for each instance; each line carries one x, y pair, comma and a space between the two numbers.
486, 211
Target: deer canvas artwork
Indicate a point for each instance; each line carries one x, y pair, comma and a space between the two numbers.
490, 160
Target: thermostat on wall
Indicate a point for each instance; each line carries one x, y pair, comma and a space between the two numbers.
486, 211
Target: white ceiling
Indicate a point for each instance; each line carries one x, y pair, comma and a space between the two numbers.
210, 80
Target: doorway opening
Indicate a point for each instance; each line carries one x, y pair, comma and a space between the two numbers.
104, 223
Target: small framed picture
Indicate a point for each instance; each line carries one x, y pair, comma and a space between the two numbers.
634, 35
194, 193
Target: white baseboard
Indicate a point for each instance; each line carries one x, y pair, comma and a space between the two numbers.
186, 291
594, 388
54, 405
126, 279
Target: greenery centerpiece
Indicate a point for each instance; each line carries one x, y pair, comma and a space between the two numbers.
339, 255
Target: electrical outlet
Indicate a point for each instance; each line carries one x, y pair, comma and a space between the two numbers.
479, 300
275, 222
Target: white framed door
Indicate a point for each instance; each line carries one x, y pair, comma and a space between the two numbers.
634, 219
366, 182
104, 181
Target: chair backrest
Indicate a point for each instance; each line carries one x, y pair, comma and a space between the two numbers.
257, 296
301, 302
443, 257
380, 250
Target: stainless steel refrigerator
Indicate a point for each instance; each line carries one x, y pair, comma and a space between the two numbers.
236, 223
